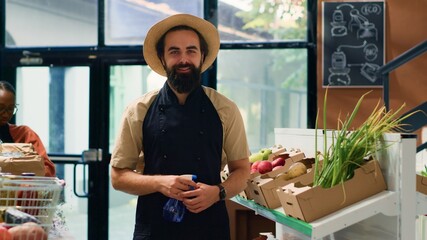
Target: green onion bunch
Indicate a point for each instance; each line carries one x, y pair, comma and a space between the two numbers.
350, 148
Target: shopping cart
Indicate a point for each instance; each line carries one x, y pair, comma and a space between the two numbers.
36, 198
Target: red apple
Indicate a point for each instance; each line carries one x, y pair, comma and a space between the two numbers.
280, 161
265, 167
255, 165
253, 170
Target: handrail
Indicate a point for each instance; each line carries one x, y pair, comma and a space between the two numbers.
405, 57
65, 158
422, 147
384, 71
413, 120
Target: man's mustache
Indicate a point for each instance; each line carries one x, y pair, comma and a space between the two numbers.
184, 66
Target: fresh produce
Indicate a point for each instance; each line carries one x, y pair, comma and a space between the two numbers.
258, 160
265, 167
5, 234
28, 231
279, 161
424, 172
350, 148
255, 157
295, 170
265, 153
254, 166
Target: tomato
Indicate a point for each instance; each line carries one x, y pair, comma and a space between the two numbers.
5, 234
28, 231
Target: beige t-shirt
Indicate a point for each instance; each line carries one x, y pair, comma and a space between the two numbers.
129, 153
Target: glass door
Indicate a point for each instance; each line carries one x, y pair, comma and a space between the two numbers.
61, 104
74, 108
52, 60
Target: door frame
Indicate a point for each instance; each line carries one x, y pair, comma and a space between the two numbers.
98, 171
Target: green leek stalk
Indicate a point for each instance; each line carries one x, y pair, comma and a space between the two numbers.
351, 147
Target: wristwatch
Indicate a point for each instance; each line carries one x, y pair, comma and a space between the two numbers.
222, 192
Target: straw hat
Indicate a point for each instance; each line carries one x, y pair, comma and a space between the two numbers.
205, 28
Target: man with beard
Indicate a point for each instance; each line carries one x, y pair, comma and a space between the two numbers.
183, 128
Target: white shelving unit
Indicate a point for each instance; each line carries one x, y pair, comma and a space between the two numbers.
390, 214
421, 203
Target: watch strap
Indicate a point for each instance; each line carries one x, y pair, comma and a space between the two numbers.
222, 192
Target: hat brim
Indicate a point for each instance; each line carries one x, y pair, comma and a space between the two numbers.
205, 28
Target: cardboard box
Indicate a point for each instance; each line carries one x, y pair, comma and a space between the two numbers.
276, 151
301, 201
24, 148
292, 155
26, 164
18, 158
262, 189
421, 184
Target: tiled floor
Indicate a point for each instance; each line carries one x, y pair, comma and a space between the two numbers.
121, 220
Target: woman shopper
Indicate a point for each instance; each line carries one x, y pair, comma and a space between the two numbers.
11, 133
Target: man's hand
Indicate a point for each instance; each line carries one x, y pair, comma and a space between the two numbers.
173, 186
201, 198
128, 181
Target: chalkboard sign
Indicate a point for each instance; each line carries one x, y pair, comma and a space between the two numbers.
353, 43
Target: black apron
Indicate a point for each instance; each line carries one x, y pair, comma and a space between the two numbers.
182, 139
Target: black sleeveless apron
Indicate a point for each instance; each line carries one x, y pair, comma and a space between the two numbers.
182, 139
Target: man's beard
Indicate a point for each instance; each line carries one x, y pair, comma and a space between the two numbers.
184, 82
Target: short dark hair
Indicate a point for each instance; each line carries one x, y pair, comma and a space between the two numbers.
160, 46
7, 86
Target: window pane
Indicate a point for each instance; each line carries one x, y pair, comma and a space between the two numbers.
127, 22
269, 89
54, 102
126, 84
262, 20
47, 23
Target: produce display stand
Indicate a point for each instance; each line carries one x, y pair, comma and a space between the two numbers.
394, 210
421, 203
